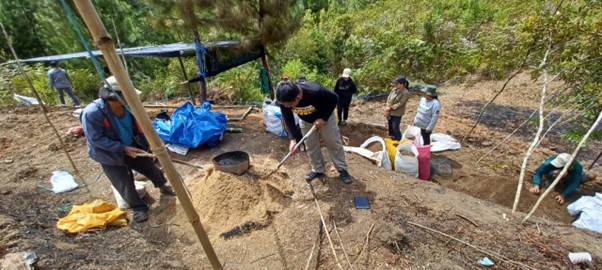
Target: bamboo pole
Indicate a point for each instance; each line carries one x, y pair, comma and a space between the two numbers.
43, 109
106, 45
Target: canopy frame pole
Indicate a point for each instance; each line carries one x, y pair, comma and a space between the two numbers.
186, 78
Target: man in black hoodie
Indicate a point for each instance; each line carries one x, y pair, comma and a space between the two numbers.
345, 88
314, 104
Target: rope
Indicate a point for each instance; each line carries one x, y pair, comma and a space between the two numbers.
200, 51
263, 77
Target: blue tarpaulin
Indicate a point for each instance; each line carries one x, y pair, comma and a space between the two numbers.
192, 127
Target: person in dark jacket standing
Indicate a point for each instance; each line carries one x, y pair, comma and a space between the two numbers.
345, 88
315, 105
114, 140
59, 79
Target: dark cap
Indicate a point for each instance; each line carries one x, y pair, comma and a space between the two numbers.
301, 79
400, 79
54, 63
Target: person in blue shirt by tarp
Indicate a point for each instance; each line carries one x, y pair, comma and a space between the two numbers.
548, 171
115, 141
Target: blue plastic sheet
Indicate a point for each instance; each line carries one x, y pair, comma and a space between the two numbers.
192, 127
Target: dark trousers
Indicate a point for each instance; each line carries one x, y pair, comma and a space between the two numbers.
426, 136
122, 179
343, 109
393, 122
69, 92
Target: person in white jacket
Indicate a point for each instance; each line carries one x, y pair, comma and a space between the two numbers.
589, 209
427, 113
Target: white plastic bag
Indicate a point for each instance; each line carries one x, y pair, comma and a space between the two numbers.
121, 203
405, 163
382, 156
442, 142
178, 149
273, 118
413, 131
25, 100
62, 182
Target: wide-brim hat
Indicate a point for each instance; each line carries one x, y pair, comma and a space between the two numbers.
430, 90
561, 160
111, 82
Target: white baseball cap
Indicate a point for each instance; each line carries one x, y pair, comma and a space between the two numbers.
112, 83
346, 73
561, 160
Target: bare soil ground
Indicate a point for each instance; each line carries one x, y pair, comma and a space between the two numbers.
274, 223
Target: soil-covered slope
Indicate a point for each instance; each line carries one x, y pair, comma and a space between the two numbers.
447, 223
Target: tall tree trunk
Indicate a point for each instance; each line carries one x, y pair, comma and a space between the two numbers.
537, 135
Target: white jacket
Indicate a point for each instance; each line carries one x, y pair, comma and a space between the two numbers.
427, 113
591, 212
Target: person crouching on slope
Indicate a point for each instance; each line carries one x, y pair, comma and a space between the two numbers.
550, 168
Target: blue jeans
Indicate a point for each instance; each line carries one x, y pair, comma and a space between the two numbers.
69, 92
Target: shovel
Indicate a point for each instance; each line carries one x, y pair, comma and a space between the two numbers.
313, 128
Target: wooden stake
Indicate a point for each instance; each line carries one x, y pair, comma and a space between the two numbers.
342, 246
106, 45
336, 258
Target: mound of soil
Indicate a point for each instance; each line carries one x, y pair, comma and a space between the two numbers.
236, 204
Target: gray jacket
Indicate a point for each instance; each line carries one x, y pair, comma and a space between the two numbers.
58, 78
102, 134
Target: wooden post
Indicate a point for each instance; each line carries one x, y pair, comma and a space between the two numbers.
264, 62
106, 45
203, 82
186, 78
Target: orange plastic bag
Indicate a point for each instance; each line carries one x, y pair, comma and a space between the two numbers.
93, 215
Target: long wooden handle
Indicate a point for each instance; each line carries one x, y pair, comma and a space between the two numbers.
312, 130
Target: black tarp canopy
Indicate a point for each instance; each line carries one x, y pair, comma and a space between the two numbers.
221, 56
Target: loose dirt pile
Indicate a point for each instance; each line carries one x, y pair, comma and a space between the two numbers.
232, 205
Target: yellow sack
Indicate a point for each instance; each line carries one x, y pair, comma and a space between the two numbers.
93, 215
392, 149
